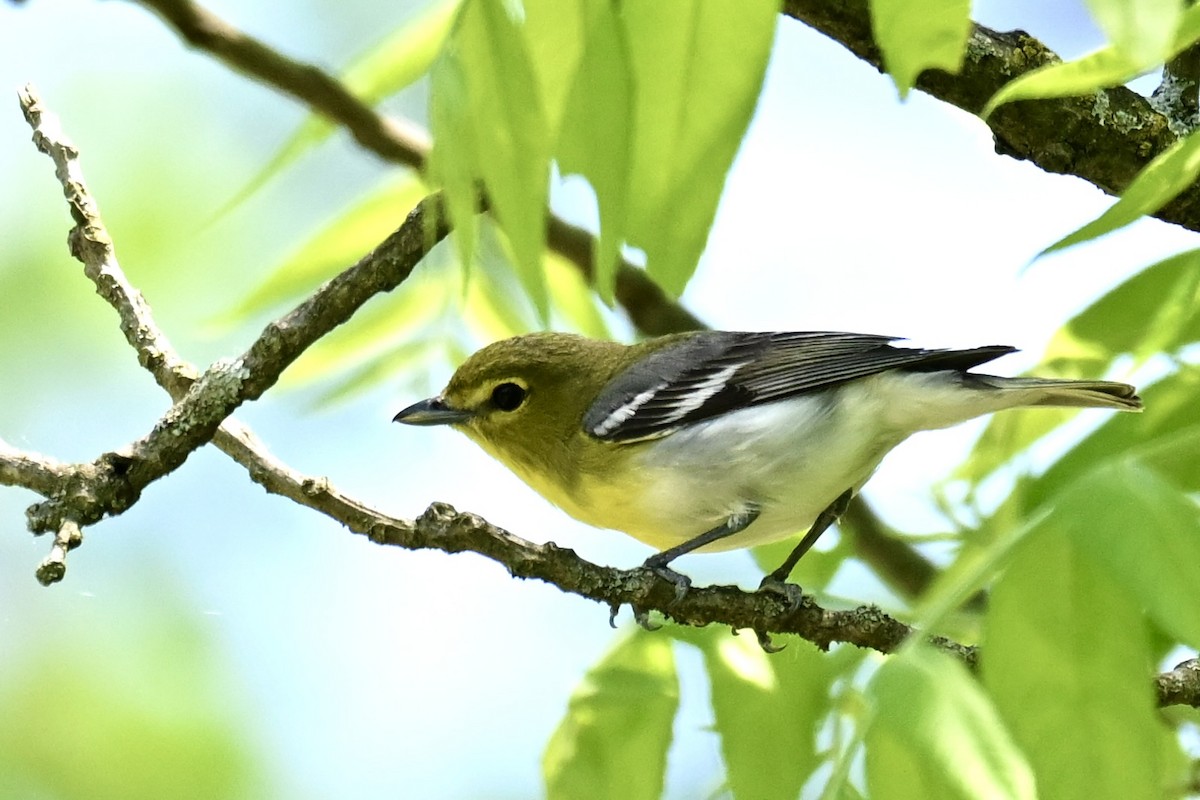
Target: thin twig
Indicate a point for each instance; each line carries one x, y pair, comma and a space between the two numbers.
115, 480
39, 473
440, 527
650, 309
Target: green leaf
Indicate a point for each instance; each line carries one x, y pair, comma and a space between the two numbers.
556, 32
935, 734
455, 151
816, 569
573, 300
376, 331
1173, 415
335, 247
596, 138
916, 35
1155, 311
615, 735
1010, 433
1172, 171
767, 709
1143, 30
1144, 531
413, 358
488, 124
393, 64
1109, 66
698, 66
1068, 666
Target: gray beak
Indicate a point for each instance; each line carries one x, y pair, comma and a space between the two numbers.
433, 411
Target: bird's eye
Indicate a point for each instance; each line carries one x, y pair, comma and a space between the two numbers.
508, 396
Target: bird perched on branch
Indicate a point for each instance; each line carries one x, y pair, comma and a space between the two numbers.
713, 440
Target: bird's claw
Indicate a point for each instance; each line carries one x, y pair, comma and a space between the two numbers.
681, 582
642, 617
792, 594
764, 641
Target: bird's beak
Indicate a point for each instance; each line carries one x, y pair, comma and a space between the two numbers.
433, 411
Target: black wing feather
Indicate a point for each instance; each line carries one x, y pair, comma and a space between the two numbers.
710, 373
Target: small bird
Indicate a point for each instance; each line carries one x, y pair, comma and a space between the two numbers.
712, 440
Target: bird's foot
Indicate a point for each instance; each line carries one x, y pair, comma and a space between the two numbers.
792, 594
681, 582
764, 641
642, 617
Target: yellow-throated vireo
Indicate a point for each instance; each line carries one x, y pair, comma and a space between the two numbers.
712, 440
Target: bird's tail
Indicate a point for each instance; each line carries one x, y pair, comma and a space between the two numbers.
1069, 393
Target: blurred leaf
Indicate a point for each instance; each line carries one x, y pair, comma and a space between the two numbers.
1173, 414
697, 66
337, 246
1106, 67
455, 151
1144, 531
916, 35
1155, 311
935, 734
1068, 668
615, 735
378, 328
767, 709
393, 64
573, 300
1143, 30
488, 124
1011, 433
1172, 171
496, 305
556, 32
407, 358
596, 138
816, 569
499, 308
133, 707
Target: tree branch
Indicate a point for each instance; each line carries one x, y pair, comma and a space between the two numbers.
650, 309
76, 491
79, 493
1106, 137
39, 473
115, 480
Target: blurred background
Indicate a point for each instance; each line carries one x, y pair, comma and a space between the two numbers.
215, 641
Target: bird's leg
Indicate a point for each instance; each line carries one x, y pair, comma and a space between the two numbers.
777, 581
658, 562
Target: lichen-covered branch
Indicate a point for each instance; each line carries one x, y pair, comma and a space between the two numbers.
19, 468
1105, 138
114, 481
76, 493
650, 309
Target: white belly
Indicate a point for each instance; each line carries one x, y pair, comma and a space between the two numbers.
790, 459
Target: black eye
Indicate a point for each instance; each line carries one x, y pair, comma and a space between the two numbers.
508, 396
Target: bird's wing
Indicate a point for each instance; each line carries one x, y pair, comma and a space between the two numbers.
712, 372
